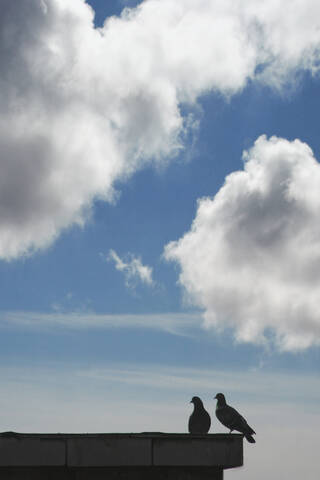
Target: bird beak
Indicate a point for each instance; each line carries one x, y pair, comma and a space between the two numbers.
215, 397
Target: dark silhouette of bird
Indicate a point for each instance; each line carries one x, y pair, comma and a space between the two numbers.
230, 418
199, 421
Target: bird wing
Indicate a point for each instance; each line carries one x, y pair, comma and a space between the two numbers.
244, 426
237, 421
227, 415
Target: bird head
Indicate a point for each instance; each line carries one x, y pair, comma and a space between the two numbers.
196, 401
220, 397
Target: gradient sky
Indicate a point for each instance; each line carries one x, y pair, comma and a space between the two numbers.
159, 219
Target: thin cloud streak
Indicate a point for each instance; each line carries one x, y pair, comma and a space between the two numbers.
254, 385
174, 323
260, 391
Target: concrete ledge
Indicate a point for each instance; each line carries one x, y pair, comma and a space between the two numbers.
150, 450
30, 451
108, 451
223, 451
111, 473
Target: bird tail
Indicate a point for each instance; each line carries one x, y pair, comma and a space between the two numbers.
250, 438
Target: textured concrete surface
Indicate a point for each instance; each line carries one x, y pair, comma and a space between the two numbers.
109, 451
216, 451
142, 473
32, 451
159, 456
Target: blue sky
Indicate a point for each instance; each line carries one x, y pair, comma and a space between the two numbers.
117, 160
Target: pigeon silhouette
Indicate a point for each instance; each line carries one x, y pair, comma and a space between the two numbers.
229, 417
199, 421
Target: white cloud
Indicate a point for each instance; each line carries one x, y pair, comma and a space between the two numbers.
83, 107
133, 269
251, 259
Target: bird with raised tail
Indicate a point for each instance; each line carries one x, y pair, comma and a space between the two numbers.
230, 418
199, 421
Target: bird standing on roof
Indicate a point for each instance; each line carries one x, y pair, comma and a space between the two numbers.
199, 421
230, 418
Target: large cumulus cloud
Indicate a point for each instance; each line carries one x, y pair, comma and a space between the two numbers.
251, 259
82, 107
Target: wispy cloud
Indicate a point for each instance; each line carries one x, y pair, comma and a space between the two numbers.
251, 385
263, 395
133, 269
174, 323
